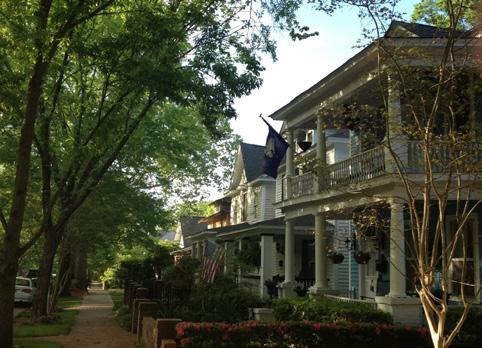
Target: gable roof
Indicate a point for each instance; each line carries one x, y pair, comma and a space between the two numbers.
191, 225
397, 29
404, 29
249, 161
253, 156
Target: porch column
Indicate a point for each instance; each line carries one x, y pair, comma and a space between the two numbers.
239, 270
290, 171
193, 251
404, 309
320, 150
267, 258
394, 132
321, 257
227, 256
289, 284
397, 251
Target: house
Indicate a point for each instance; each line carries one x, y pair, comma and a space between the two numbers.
186, 226
253, 236
326, 188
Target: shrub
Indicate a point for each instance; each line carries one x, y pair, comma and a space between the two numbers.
223, 301
471, 334
328, 311
181, 275
299, 335
124, 317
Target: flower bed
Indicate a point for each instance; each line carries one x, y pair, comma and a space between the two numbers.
299, 335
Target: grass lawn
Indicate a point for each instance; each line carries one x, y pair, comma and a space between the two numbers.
122, 313
36, 344
61, 323
117, 296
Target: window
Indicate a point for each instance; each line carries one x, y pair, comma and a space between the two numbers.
256, 202
472, 264
244, 207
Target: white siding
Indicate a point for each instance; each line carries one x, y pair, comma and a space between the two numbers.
342, 270
278, 194
268, 197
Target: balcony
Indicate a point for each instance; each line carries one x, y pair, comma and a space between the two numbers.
367, 165
372, 164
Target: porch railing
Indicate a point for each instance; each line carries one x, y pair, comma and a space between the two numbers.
463, 155
304, 184
369, 303
361, 167
364, 166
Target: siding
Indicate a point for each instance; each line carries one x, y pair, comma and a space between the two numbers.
268, 198
342, 270
278, 194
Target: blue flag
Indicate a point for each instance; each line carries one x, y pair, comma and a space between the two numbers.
274, 151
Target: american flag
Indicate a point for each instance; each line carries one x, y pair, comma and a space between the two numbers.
211, 265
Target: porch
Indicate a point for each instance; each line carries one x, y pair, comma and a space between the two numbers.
374, 163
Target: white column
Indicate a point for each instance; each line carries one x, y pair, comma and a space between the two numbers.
288, 286
394, 131
321, 257
240, 247
320, 149
289, 251
194, 251
290, 171
226, 256
397, 251
267, 259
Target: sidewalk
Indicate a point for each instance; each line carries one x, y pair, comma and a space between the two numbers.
96, 326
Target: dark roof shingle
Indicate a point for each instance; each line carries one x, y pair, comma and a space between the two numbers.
253, 156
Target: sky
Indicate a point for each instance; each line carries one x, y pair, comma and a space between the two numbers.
300, 65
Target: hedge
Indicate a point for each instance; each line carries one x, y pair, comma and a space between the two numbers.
471, 333
299, 335
327, 311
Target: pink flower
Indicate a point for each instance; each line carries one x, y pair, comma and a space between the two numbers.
185, 341
316, 326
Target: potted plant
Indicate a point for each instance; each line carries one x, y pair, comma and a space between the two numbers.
362, 257
336, 257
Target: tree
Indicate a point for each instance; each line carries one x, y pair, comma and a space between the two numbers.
78, 78
435, 12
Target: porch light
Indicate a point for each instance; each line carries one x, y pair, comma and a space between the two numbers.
348, 243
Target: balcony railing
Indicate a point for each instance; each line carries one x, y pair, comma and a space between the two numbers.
364, 166
461, 157
372, 164
304, 184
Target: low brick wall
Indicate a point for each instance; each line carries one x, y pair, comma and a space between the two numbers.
148, 325
159, 332
135, 312
145, 309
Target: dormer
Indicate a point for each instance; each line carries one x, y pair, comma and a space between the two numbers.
252, 193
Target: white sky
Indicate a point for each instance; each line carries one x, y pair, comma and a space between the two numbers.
300, 65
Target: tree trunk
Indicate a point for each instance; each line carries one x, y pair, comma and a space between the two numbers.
7, 293
65, 270
80, 270
40, 305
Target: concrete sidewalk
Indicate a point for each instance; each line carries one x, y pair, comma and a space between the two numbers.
96, 325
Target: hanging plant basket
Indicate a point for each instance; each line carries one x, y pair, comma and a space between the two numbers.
304, 145
362, 257
336, 257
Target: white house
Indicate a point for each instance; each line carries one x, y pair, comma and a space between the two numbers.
326, 187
